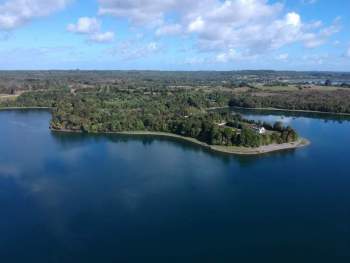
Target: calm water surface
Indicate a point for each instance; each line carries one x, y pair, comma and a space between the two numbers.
75, 198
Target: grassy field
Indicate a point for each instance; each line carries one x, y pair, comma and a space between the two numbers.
6, 97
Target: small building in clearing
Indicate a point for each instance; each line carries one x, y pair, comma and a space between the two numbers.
259, 130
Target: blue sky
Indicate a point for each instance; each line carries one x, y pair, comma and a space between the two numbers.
175, 34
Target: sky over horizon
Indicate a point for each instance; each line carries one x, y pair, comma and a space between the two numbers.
175, 34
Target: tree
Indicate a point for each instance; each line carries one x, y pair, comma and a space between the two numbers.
328, 82
278, 126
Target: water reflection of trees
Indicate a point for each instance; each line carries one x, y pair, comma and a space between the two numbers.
73, 140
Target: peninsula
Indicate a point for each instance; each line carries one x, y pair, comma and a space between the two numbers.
191, 114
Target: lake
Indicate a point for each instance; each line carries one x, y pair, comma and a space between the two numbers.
108, 198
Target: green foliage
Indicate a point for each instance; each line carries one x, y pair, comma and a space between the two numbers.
337, 101
180, 111
37, 99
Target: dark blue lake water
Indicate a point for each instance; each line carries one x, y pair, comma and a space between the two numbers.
77, 198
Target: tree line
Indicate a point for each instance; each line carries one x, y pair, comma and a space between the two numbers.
337, 101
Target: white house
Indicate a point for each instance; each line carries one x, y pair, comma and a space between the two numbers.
221, 124
260, 130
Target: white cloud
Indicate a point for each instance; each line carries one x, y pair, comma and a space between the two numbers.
150, 12
318, 38
137, 11
312, 40
196, 25
85, 25
246, 26
316, 59
102, 37
293, 19
15, 13
129, 50
227, 56
170, 29
92, 27
283, 56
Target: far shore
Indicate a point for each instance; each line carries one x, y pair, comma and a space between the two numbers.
289, 110
208, 109
235, 150
25, 108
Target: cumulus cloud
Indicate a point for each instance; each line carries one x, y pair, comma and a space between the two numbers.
196, 25
92, 27
246, 26
85, 25
15, 13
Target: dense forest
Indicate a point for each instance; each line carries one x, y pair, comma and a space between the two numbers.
337, 101
182, 112
185, 112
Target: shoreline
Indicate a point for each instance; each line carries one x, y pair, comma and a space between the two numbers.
289, 110
232, 150
207, 109
25, 108
217, 108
